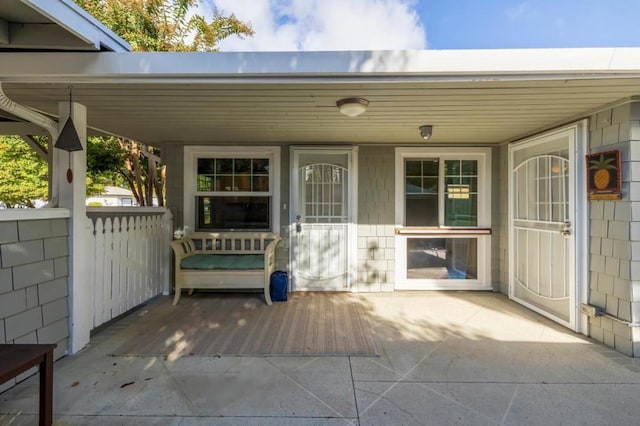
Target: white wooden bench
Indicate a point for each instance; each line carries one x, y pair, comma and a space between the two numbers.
224, 260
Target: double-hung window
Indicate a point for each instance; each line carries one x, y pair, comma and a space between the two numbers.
441, 192
443, 218
233, 189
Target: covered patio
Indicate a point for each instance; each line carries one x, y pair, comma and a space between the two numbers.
444, 358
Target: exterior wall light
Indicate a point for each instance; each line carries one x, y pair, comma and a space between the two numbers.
426, 131
352, 107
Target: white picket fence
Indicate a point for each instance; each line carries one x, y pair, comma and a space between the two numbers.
131, 259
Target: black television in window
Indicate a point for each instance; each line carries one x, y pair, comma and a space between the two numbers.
233, 213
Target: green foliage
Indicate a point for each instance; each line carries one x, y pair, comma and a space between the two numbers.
165, 25
23, 175
105, 158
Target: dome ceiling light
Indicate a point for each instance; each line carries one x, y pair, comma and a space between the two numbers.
352, 107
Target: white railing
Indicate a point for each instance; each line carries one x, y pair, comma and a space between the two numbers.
131, 258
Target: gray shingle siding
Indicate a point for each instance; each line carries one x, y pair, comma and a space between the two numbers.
613, 262
376, 219
33, 291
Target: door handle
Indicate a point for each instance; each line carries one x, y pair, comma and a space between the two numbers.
565, 230
298, 224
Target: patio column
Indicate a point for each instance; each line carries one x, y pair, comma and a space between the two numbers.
71, 195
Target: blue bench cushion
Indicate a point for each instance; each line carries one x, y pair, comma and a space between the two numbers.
223, 261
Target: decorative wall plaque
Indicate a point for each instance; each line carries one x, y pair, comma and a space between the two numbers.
603, 175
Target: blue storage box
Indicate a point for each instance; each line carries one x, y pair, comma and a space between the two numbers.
278, 286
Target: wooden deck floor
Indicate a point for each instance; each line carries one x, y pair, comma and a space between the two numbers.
210, 324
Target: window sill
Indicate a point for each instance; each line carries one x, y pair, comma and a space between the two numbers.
442, 231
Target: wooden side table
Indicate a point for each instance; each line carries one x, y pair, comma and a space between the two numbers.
16, 359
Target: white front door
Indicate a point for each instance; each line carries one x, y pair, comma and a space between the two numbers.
546, 225
322, 208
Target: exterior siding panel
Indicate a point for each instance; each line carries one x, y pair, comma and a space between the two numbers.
376, 227
613, 260
26, 289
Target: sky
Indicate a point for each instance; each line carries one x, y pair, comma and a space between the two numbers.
290, 25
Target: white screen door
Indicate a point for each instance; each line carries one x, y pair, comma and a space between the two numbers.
321, 213
543, 226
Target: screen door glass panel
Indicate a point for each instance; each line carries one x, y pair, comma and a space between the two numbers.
324, 189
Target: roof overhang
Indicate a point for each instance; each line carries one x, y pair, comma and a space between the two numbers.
470, 97
58, 25
363, 66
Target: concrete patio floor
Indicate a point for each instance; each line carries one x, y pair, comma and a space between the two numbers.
445, 358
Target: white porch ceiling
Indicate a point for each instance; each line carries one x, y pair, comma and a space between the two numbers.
470, 97
461, 113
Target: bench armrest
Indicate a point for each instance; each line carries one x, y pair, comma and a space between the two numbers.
184, 247
270, 265
270, 250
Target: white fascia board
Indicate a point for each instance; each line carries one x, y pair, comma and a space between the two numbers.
80, 23
625, 58
285, 67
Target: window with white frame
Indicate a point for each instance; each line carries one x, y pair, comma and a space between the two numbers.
442, 217
232, 189
440, 192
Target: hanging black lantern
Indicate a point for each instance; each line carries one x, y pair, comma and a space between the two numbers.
68, 140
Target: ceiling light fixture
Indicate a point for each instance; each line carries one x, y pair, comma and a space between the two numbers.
352, 107
426, 131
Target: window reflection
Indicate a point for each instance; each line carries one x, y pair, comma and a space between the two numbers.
442, 258
423, 192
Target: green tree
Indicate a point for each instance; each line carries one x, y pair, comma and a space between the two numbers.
121, 162
165, 25
24, 175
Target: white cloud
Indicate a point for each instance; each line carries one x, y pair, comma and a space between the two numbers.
521, 12
325, 24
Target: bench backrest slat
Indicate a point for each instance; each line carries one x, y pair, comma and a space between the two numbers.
231, 242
